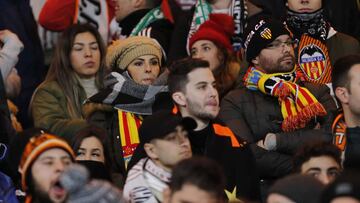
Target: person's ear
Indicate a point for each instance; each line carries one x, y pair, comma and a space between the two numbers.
179, 98
342, 94
166, 195
138, 3
150, 150
255, 61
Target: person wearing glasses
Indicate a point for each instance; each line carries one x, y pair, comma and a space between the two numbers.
275, 111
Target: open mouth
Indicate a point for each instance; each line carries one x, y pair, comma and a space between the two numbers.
58, 190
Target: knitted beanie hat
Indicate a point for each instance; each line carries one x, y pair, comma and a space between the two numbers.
219, 29
299, 188
75, 180
122, 52
35, 147
260, 32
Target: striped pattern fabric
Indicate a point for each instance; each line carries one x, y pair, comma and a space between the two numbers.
314, 60
339, 132
129, 124
298, 105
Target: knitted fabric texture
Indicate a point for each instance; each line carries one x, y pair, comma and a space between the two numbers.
122, 52
218, 29
35, 147
261, 32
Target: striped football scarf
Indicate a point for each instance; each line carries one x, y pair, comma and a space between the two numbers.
339, 132
314, 60
129, 135
161, 12
298, 105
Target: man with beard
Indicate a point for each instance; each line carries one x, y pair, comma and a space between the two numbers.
274, 111
193, 89
44, 159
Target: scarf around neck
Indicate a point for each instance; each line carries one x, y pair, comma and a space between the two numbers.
238, 11
312, 24
298, 105
125, 94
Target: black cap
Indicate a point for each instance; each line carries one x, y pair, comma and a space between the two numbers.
261, 31
161, 123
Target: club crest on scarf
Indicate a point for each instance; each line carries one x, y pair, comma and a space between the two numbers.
314, 60
266, 33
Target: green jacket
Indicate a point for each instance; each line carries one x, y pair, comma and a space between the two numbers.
49, 111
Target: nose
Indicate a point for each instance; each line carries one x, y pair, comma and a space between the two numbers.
304, 1
148, 68
88, 52
213, 91
59, 166
198, 55
325, 179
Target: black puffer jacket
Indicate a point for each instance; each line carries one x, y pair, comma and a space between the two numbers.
252, 114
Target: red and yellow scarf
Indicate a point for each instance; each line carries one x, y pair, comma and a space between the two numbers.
298, 105
129, 124
314, 60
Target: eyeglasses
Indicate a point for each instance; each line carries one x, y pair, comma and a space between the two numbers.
277, 44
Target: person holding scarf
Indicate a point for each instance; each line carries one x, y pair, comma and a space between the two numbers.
134, 90
320, 45
275, 111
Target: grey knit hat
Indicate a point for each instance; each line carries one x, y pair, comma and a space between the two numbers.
75, 181
122, 52
299, 188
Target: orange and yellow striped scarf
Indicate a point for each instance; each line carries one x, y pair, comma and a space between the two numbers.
298, 105
129, 124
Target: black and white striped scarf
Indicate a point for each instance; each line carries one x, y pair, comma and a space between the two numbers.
124, 93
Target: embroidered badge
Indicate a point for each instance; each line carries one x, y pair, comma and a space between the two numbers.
266, 33
314, 60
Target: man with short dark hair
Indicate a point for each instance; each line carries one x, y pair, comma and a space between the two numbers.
196, 180
321, 160
275, 111
193, 89
163, 143
346, 126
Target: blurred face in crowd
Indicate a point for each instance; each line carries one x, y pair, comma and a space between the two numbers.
144, 69
350, 98
199, 99
91, 149
345, 200
85, 55
124, 7
190, 194
277, 57
177, 141
277, 198
323, 168
207, 50
304, 6
46, 171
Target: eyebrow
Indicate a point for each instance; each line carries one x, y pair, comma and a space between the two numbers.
313, 169
201, 83
81, 43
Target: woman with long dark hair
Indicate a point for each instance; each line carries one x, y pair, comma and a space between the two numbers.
76, 73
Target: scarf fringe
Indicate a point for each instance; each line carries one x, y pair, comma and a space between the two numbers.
300, 120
